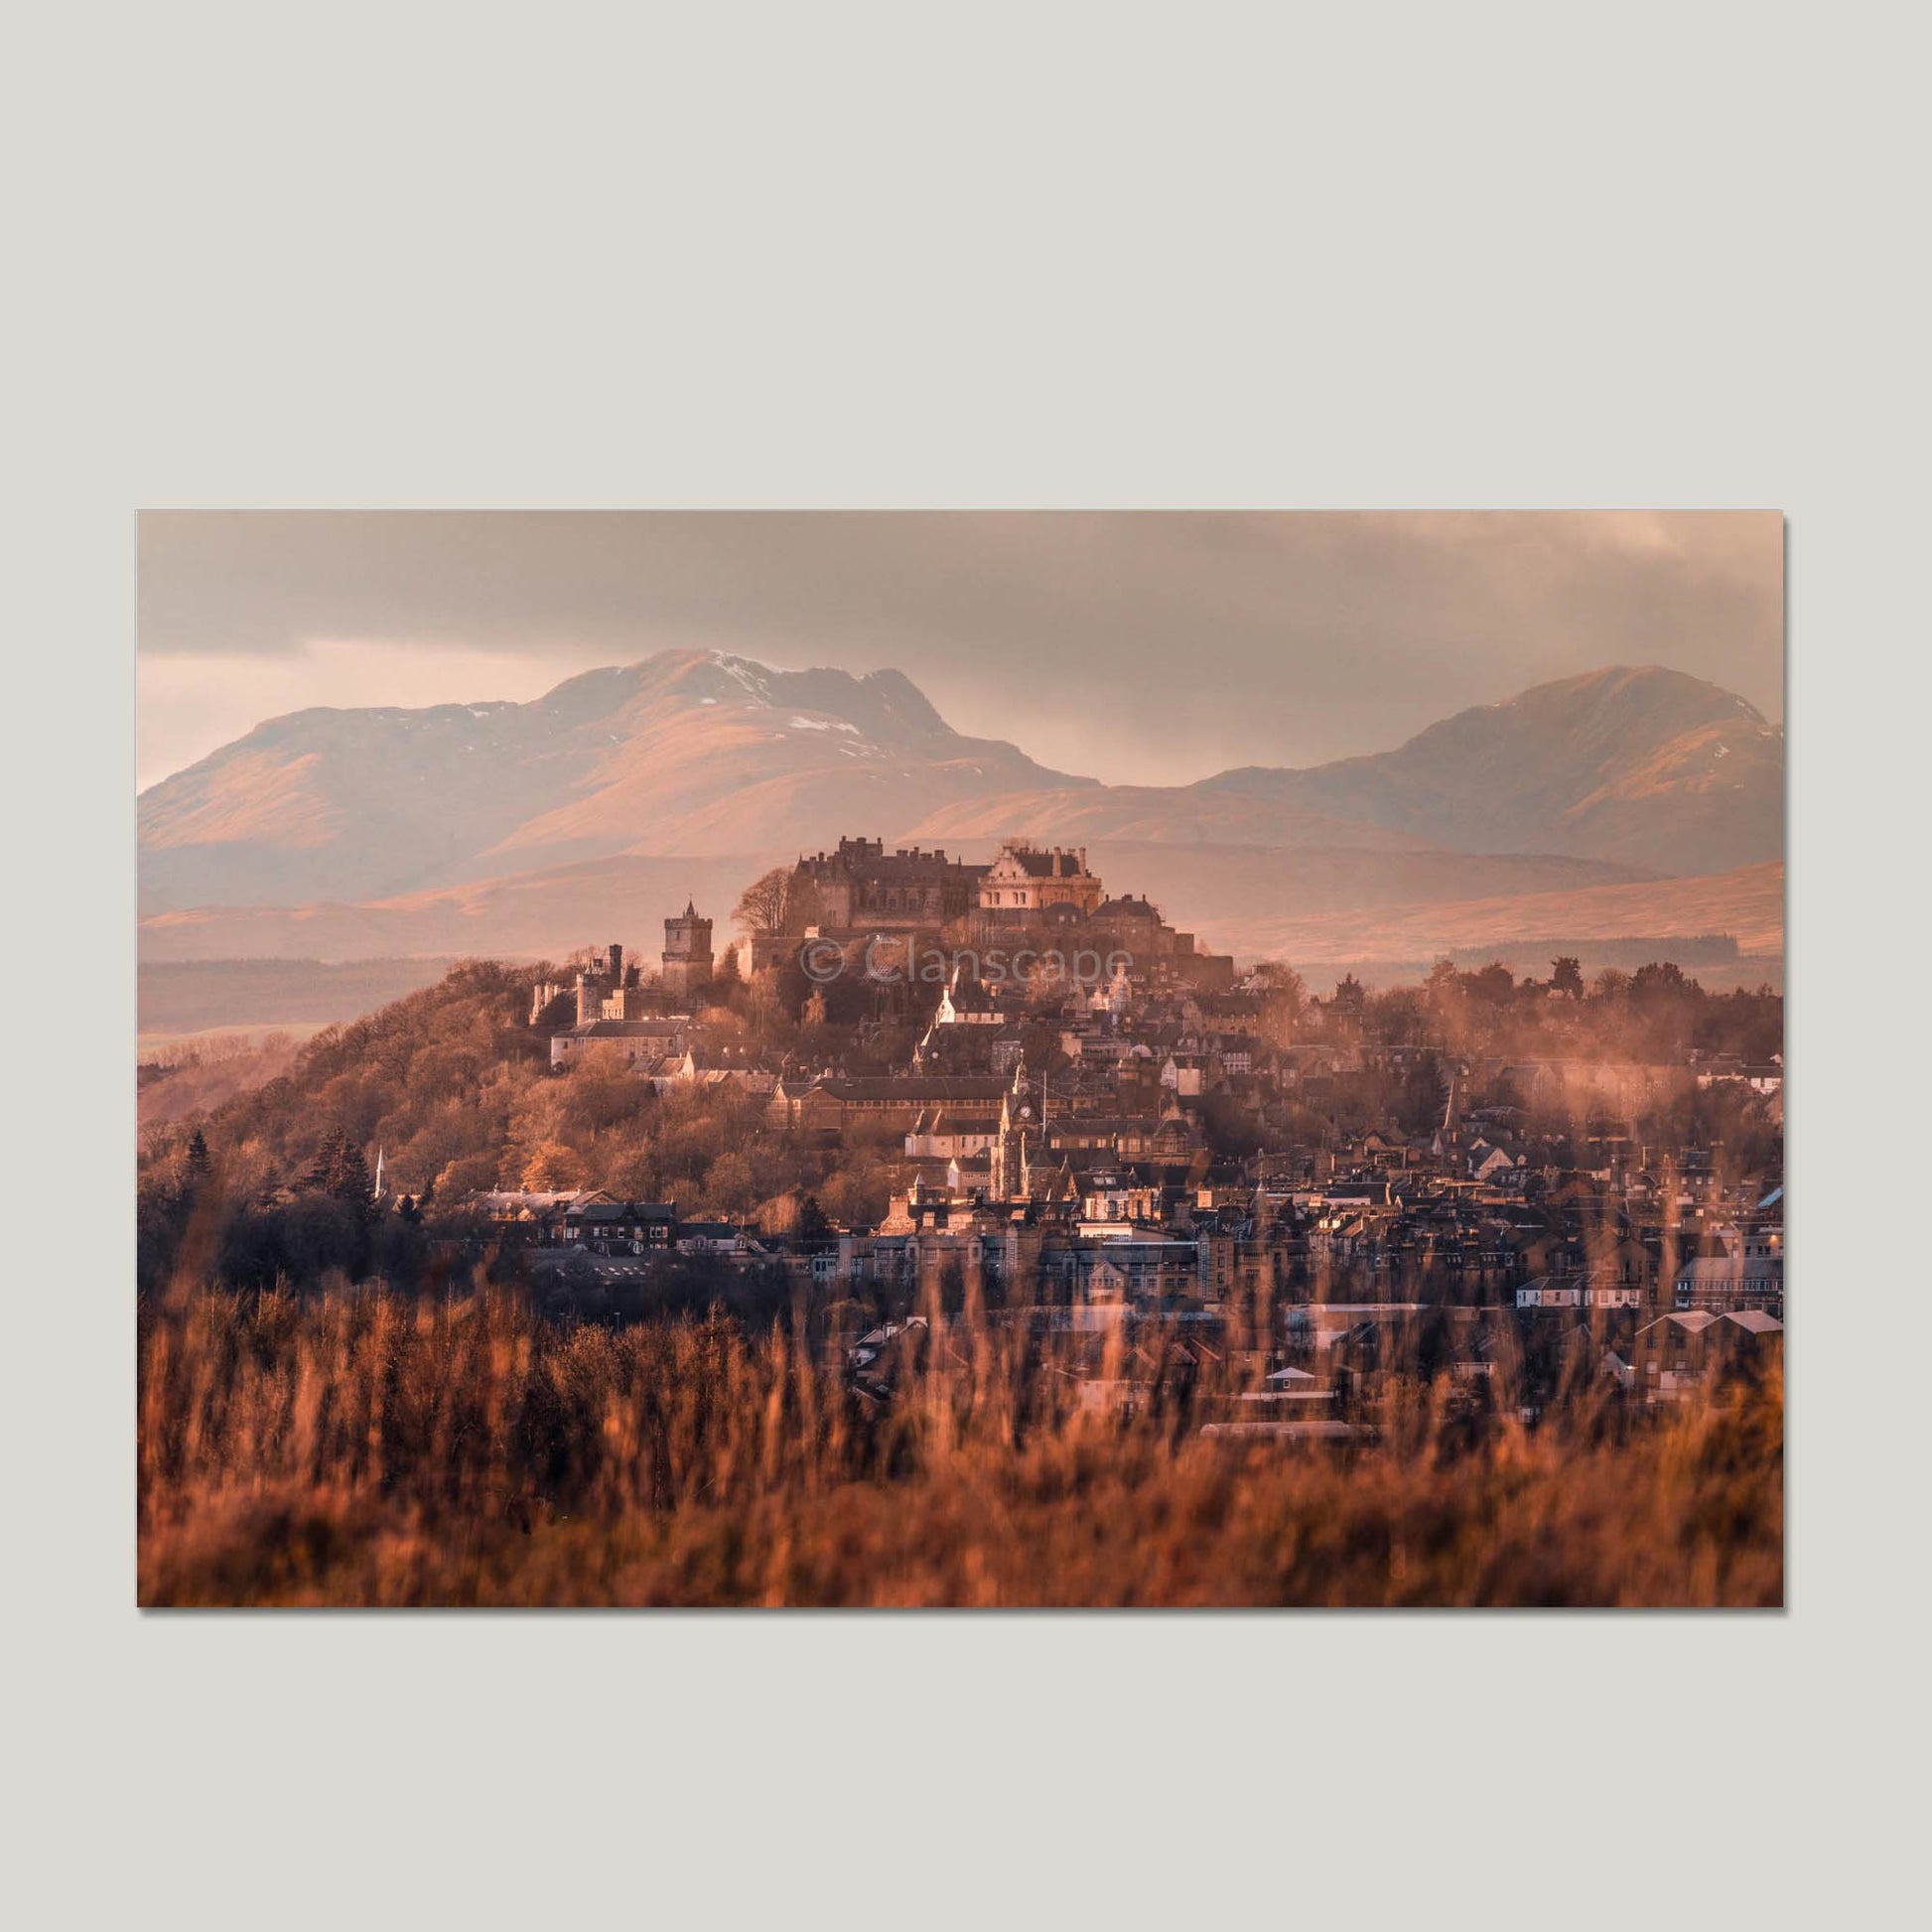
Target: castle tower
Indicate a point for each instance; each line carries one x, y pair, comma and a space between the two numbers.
687, 952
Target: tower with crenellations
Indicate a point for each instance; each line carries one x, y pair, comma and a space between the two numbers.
688, 961
607, 988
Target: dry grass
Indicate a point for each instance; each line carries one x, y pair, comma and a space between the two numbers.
358, 1450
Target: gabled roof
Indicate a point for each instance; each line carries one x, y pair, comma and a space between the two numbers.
1692, 1322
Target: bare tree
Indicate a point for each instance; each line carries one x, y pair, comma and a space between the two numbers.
1284, 999
765, 904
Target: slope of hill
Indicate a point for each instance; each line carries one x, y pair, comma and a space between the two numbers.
551, 912
179, 1000
1220, 891
1646, 765
1747, 905
1158, 815
685, 753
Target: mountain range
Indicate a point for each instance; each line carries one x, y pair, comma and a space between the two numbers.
689, 753
535, 827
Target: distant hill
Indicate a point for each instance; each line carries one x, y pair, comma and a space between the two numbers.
549, 911
1158, 815
1647, 767
1223, 892
1747, 905
180, 999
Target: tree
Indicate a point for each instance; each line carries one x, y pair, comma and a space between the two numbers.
201, 1164
1493, 985
1284, 996
340, 1169
348, 1176
811, 1225
1662, 979
730, 1185
766, 1004
1567, 976
1419, 1103
765, 908
550, 1168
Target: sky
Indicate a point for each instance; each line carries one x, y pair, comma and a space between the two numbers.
1137, 648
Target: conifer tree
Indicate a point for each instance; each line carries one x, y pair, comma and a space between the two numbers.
349, 1174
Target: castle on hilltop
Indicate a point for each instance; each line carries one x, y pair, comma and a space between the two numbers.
861, 892
863, 884
911, 889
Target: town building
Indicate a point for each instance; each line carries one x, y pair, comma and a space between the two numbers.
1680, 1354
1731, 1280
645, 1041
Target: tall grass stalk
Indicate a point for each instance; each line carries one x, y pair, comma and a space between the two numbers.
357, 1447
